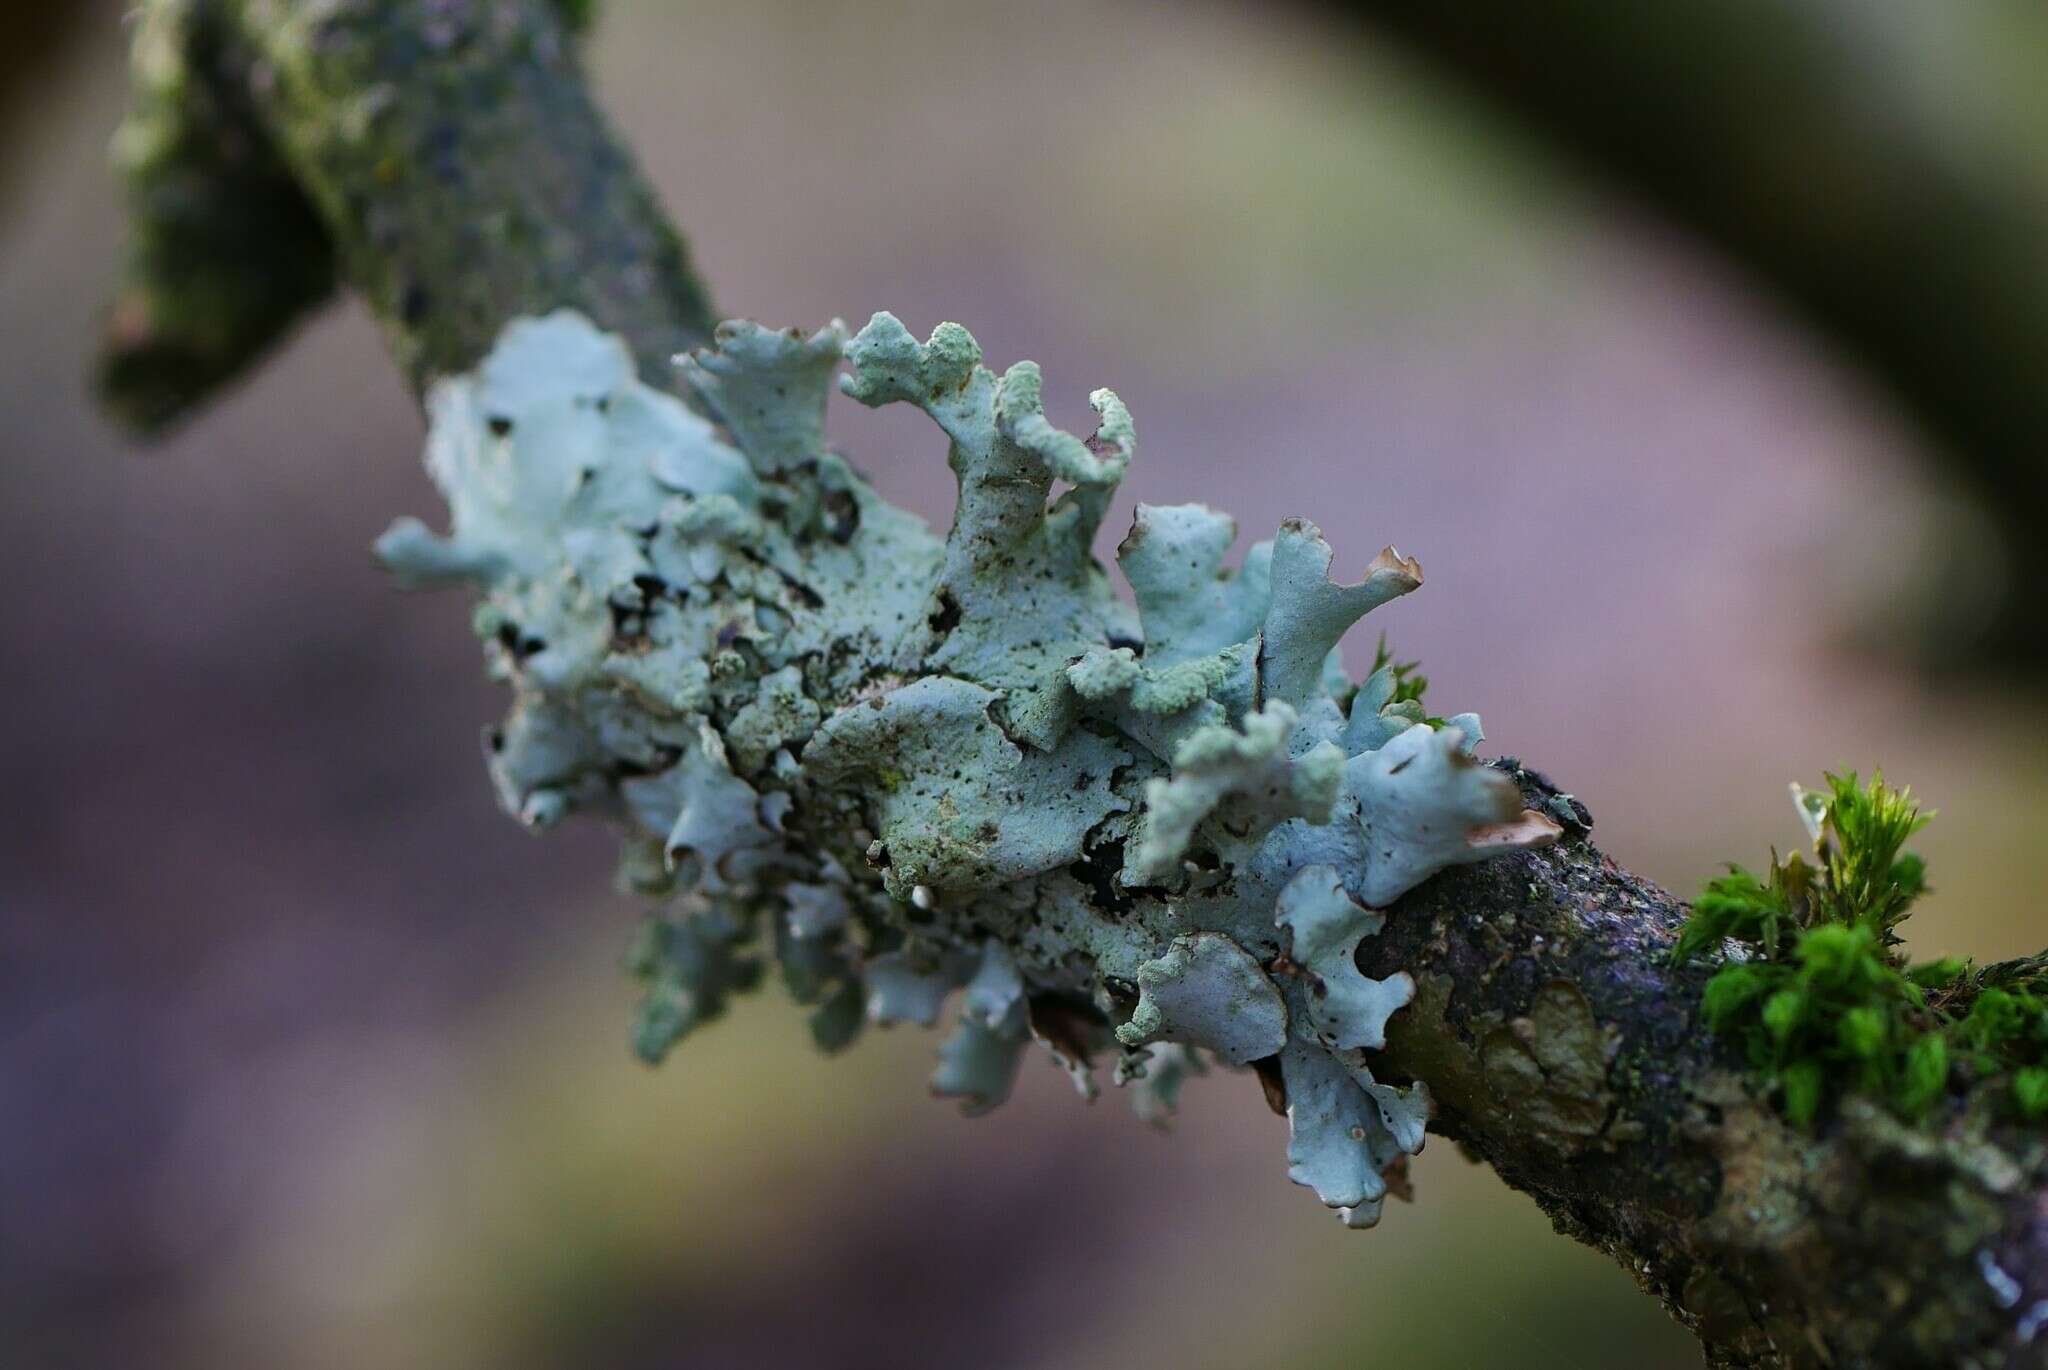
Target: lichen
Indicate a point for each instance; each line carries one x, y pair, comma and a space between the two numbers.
904, 769
1348, 1009
1207, 989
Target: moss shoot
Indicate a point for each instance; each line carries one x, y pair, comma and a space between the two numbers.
1816, 987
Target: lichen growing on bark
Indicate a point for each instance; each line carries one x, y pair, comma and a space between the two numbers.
898, 766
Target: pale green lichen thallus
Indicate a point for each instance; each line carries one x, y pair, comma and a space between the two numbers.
895, 766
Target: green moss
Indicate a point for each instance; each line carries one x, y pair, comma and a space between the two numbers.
1822, 1000
2030, 1091
1410, 685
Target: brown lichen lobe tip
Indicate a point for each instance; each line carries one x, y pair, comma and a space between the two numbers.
1390, 562
1527, 832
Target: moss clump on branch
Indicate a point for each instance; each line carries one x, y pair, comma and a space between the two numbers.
1821, 996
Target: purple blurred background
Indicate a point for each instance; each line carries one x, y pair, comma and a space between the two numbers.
309, 1057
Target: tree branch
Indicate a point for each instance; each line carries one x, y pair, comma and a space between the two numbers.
1874, 1243
446, 159
910, 767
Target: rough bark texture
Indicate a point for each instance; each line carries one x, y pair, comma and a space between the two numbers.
450, 155
1567, 1053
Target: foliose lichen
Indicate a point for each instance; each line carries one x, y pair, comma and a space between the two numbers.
900, 767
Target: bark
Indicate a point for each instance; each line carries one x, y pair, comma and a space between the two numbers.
448, 158
1567, 1053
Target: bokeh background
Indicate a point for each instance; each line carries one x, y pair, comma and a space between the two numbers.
309, 1058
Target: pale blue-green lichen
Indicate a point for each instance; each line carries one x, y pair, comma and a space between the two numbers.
899, 767
1348, 1009
1207, 990
978, 1063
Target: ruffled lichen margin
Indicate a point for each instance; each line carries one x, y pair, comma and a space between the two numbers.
898, 767
1559, 1042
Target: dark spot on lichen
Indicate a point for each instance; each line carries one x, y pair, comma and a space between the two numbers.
945, 615
1098, 869
661, 759
840, 512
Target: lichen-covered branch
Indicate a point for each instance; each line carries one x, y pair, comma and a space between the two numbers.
1153, 841
979, 763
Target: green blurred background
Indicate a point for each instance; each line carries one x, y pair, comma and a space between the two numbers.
309, 1058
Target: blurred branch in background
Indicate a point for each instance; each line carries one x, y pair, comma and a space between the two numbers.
225, 251
1878, 167
249, 163
34, 40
